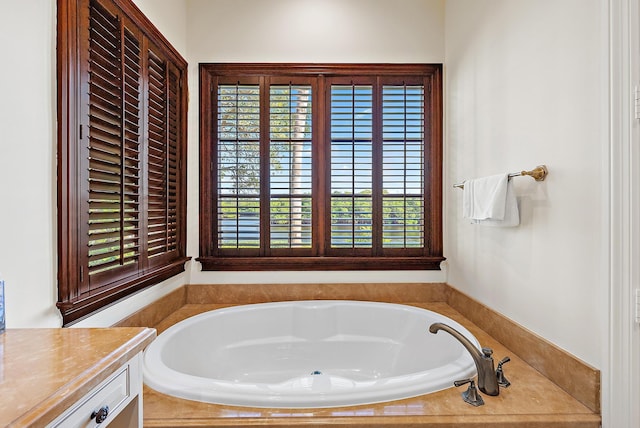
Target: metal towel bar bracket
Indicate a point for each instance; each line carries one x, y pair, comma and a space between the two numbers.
538, 173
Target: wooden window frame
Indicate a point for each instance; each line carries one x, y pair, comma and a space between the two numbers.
428, 257
78, 298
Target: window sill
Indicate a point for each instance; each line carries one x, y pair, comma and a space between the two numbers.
319, 263
74, 310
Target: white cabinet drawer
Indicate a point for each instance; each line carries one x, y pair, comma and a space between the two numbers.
115, 392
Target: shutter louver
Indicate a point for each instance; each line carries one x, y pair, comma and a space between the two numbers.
403, 166
114, 128
238, 166
164, 123
157, 116
351, 166
173, 125
290, 166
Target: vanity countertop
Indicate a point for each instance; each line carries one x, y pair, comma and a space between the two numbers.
44, 371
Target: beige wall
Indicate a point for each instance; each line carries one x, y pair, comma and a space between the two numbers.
527, 84
28, 162
316, 31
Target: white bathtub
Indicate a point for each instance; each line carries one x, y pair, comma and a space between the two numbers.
307, 354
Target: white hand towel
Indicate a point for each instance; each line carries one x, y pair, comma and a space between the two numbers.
490, 201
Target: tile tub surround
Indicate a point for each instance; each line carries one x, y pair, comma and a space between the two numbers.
571, 400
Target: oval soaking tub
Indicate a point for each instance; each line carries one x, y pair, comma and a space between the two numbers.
307, 354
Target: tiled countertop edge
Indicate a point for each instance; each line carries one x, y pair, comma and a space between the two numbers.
487, 421
576, 377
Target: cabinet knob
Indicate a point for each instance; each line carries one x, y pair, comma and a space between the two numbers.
101, 414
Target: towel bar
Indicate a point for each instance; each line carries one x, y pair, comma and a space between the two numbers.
538, 173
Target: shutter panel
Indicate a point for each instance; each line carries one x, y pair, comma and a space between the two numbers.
132, 141
114, 128
290, 166
403, 166
157, 155
238, 166
163, 138
173, 162
351, 166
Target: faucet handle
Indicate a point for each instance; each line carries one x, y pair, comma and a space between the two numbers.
502, 380
471, 395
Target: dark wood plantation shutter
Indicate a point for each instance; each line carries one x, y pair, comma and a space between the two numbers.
351, 166
403, 172
290, 166
163, 162
122, 141
320, 166
114, 148
238, 168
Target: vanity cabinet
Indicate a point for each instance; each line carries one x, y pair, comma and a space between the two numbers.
115, 402
68, 377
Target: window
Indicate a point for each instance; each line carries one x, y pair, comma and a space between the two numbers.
121, 155
320, 166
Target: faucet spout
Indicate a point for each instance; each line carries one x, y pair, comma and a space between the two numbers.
487, 380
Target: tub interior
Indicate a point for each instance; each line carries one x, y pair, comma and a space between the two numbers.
335, 340
307, 354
